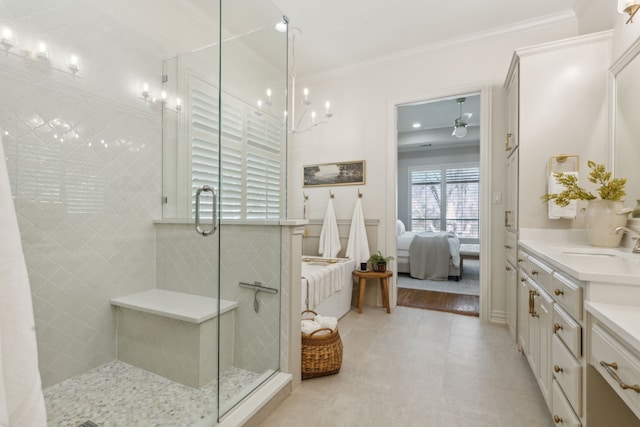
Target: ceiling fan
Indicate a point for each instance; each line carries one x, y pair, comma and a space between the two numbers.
460, 124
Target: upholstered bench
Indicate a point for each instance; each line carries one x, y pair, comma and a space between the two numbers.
468, 251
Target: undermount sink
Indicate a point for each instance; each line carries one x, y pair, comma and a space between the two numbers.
598, 253
588, 254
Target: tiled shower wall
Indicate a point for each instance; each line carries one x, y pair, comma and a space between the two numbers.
249, 253
84, 158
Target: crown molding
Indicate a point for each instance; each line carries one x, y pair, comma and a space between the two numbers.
494, 33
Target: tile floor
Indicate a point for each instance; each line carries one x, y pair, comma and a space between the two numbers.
419, 368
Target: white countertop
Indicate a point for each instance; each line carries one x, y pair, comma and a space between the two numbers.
581, 260
622, 320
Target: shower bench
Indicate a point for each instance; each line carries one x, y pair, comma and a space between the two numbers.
174, 334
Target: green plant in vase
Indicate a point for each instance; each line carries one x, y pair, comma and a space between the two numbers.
379, 261
603, 214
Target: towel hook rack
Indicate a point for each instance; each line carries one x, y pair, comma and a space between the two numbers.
359, 194
331, 194
305, 195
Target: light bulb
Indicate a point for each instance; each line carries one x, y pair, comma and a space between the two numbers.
42, 50
459, 131
7, 38
305, 93
73, 63
281, 26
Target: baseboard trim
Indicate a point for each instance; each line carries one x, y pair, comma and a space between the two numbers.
498, 317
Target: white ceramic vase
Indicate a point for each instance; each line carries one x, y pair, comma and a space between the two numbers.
601, 217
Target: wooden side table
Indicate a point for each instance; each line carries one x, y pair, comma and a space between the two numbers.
384, 286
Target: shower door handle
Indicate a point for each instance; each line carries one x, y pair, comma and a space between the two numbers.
214, 217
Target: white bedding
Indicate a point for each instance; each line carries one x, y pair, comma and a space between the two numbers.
405, 239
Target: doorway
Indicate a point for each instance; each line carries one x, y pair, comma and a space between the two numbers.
441, 154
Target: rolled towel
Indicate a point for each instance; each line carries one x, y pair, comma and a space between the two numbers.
327, 322
309, 326
558, 212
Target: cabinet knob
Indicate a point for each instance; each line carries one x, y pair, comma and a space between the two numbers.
558, 292
534, 272
557, 369
507, 246
507, 268
534, 314
523, 279
557, 327
557, 419
520, 260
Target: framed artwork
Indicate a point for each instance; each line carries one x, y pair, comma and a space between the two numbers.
340, 173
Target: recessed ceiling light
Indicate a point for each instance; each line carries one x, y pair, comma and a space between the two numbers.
416, 125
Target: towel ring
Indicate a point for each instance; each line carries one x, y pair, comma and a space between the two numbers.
331, 194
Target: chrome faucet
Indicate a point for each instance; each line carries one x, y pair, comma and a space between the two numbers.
636, 247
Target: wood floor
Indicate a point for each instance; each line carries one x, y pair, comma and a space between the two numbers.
440, 301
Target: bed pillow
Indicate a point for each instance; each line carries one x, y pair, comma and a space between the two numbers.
399, 227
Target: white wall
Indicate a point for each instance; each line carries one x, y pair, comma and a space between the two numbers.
362, 99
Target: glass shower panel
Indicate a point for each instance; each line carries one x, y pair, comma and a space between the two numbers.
252, 191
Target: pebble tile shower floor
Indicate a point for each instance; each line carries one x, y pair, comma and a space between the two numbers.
118, 394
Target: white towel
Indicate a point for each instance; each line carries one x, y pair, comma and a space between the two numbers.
21, 399
309, 326
327, 322
555, 211
358, 246
329, 238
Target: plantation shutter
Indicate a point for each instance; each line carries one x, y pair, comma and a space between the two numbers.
462, 213
246, 167
264, 145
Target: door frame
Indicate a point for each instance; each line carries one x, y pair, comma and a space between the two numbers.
391, 207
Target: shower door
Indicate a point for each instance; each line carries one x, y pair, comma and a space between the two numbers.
224, 169
252, 190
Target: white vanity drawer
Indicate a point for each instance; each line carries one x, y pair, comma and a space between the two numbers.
540, 273
568, 372
561, 410
568, 330
623, 368
568, 294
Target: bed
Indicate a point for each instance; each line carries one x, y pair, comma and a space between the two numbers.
327, 285
428, 255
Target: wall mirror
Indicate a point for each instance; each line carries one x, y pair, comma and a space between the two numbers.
626, 141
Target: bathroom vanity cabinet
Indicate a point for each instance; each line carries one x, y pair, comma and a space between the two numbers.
582, 308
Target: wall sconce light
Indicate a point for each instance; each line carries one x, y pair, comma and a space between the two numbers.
144, 93
7, 40
73, 64
42, 53
630, 7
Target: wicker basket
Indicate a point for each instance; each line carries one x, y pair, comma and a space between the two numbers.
321, 354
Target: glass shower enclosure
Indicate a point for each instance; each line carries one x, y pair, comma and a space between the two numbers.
224, 170
149, 188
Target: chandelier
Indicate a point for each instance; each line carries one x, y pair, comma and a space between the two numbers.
308, 119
